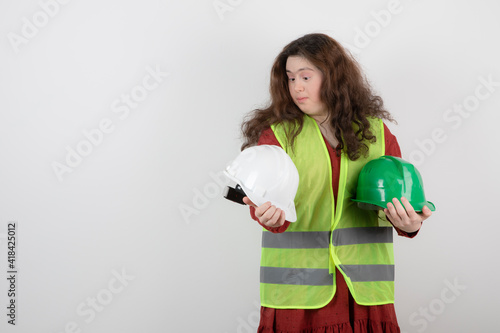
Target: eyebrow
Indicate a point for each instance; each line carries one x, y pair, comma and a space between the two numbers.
300, 69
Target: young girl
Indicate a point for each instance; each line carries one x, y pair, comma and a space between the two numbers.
333, 269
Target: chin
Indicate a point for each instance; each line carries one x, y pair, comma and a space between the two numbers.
309, 113
305, 110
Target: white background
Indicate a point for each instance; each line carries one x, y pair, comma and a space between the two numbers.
120, 209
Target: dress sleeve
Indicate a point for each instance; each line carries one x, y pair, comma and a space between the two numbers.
268, 138
392, 149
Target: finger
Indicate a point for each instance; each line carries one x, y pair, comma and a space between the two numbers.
409, 210
279, 222
388, 214
426, 213
262, 209
273, 221
282, 219
399, 209
268, 214
391, 212
249, 202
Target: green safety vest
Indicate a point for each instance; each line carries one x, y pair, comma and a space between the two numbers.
298, 265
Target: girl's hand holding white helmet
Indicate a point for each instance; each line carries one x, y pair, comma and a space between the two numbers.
268, 214
269, 180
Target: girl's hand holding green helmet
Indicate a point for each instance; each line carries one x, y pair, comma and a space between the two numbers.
383, 182
405, 218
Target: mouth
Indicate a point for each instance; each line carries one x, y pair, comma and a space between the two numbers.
301, 99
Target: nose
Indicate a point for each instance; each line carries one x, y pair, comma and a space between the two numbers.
298, 87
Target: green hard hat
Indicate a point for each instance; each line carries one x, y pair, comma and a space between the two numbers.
389, 177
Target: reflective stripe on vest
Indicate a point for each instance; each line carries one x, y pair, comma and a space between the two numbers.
319, 239
298, 266
300, 276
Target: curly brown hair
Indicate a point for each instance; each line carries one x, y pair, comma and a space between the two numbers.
344, 90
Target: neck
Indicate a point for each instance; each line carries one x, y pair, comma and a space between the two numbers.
326, 129
323, 124
321, 119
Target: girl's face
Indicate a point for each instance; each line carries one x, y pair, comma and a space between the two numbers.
304, 85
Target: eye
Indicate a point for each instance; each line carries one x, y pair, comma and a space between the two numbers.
291, 79
307, 78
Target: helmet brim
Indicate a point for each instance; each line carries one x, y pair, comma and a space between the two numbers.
375, 205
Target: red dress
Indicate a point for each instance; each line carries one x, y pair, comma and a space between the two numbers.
342, 314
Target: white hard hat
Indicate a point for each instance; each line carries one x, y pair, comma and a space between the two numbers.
267, 173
